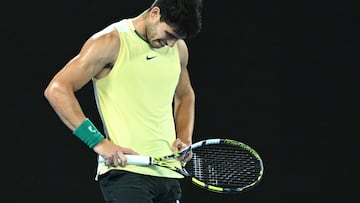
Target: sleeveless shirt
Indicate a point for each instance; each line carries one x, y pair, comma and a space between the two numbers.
135, 99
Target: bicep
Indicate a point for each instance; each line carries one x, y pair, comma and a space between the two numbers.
184, 85
96, 53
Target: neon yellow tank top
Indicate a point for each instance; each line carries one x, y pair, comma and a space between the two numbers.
135, 99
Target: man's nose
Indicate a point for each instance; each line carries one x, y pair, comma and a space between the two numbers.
170, 42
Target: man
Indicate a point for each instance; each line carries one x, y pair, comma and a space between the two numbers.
138, 67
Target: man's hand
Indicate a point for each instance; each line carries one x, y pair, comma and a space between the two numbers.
112, 153
179, 145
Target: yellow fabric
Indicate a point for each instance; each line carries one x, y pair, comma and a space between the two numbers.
135, 99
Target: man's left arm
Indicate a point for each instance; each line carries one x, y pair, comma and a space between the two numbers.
184, 102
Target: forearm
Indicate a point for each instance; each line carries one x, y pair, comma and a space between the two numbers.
68, 109
184, 117
66, 106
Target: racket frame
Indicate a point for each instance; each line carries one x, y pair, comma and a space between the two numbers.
143, 160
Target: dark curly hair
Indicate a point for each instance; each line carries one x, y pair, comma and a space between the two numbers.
183, 15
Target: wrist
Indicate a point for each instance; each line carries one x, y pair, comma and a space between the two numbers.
88, 133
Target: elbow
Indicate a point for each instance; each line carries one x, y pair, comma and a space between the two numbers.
47, 92
188, 98
52, 92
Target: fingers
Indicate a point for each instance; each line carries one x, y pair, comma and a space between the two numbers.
113, 154
122, 161
128, 151
178, 145
117, 159
188, 157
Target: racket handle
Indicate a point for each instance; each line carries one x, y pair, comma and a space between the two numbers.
138, 160
134, 160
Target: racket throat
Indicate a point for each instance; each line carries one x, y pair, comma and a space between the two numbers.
184, 172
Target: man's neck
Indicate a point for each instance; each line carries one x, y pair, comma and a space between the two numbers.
140, 22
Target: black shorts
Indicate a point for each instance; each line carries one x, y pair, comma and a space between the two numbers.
118, 186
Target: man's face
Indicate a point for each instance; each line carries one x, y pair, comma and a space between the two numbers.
160, 34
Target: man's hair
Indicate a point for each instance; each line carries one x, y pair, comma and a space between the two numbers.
183, 15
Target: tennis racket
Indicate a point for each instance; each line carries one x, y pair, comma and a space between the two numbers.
217, 165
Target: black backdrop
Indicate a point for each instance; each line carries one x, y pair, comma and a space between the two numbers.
279, 76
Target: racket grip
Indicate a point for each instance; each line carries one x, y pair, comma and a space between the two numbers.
134, 160
138, 160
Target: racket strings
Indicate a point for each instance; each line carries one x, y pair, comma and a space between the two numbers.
224, 166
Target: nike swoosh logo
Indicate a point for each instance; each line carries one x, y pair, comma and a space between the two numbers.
150, 57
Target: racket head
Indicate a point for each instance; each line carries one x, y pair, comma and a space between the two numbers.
224, 166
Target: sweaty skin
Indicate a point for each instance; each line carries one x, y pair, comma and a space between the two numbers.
95, 60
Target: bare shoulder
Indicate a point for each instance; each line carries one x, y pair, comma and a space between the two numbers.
183, 52
182, 45
108, 32
105, 41
100, 51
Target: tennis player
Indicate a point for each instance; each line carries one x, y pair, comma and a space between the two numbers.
138, 67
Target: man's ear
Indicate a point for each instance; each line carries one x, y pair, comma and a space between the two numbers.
155, 12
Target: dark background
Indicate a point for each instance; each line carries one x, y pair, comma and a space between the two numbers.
279, 76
